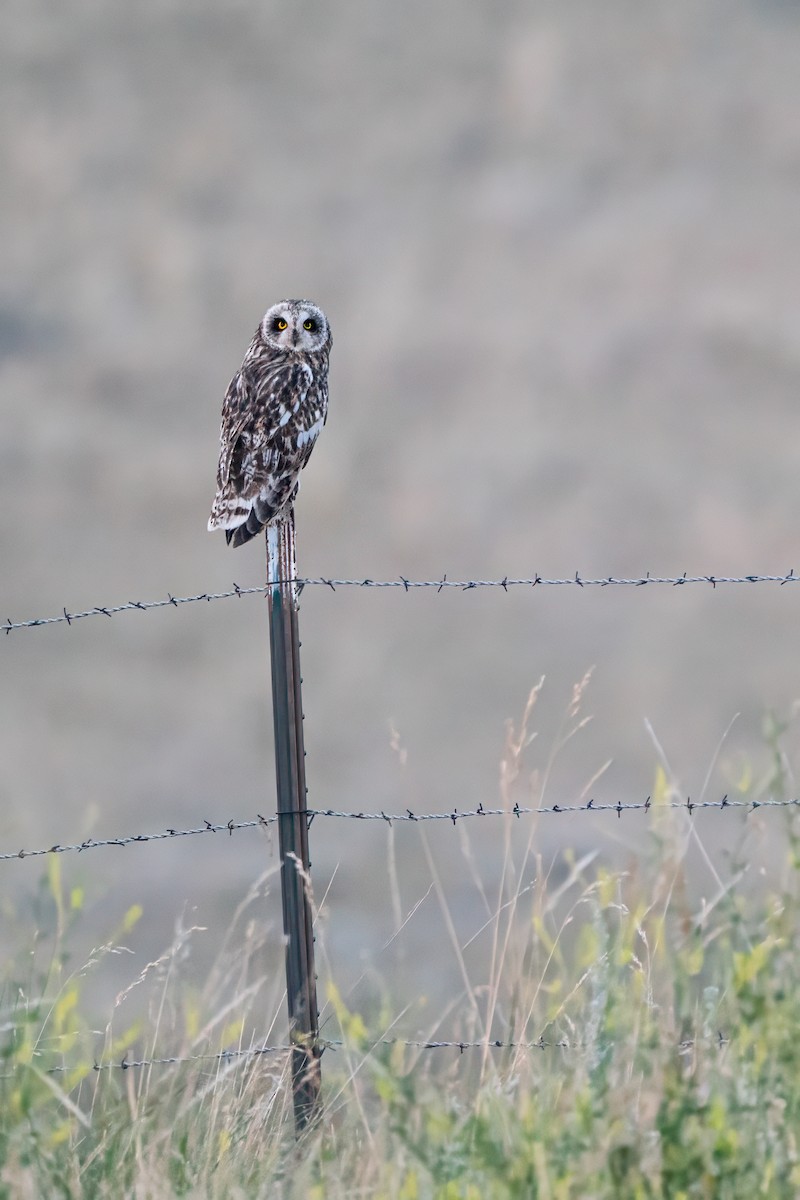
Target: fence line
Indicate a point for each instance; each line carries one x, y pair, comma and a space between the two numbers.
464, 585
230, 827
137, 838
313, 1046
232, 1056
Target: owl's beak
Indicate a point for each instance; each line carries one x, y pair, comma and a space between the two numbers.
294, 336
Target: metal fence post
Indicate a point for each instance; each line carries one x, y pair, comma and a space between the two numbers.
287, 707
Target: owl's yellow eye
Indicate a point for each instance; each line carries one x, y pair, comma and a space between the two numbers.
281, 324
308, 325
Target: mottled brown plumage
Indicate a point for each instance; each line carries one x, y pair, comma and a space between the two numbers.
273, 412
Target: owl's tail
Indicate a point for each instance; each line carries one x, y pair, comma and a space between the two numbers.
248, 529
242, 520
227, 512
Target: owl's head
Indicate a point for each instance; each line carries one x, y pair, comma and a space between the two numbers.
296, 326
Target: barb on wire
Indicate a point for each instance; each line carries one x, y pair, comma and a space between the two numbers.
464, 585
226, 1057
454, 816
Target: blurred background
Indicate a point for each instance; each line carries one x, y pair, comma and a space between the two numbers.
558, 246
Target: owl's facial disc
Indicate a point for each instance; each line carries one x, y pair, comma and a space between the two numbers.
295, 325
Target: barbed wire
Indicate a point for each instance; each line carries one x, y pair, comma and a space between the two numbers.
322, 1044
464, 585
453, 816
619, 807
138, 838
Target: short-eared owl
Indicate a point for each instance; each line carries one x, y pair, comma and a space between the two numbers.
274, 409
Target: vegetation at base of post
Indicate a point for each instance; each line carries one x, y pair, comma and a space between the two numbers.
668, 1066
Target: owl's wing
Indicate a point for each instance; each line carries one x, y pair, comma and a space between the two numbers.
236, 468
235, 412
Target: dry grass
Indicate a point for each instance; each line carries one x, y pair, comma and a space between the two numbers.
667, 1063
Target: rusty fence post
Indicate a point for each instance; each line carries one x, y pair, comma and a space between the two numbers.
287, 708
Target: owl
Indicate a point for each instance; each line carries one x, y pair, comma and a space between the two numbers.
273, 412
